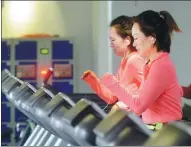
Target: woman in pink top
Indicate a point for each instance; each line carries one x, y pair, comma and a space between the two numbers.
159, 97
130, 72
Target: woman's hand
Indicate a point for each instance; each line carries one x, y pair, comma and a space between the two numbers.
89, 76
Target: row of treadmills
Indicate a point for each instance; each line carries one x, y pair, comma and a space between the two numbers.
62, 122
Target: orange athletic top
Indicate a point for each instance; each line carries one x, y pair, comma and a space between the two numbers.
159, 96
130, 74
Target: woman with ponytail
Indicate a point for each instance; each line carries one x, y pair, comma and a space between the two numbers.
158, 99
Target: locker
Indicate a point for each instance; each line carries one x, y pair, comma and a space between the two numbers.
4, 144
3, 98
5, 113
5, 138
4, 65
26, 58
62, 49
26, 50
64, 87
5, 51
19, 116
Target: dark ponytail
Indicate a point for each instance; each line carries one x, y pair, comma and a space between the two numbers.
170, 21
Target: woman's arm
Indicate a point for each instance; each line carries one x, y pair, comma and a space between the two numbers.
154, 86
101, 90
134, 68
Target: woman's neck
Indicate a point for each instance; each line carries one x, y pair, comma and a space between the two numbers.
128, 53
154, 54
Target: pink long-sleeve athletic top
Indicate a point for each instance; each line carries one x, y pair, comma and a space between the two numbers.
129, 74
159, 96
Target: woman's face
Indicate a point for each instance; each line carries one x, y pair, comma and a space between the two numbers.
142, 43
117, 43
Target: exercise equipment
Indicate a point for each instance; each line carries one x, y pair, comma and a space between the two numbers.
121, 128
172, 134
62, 122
